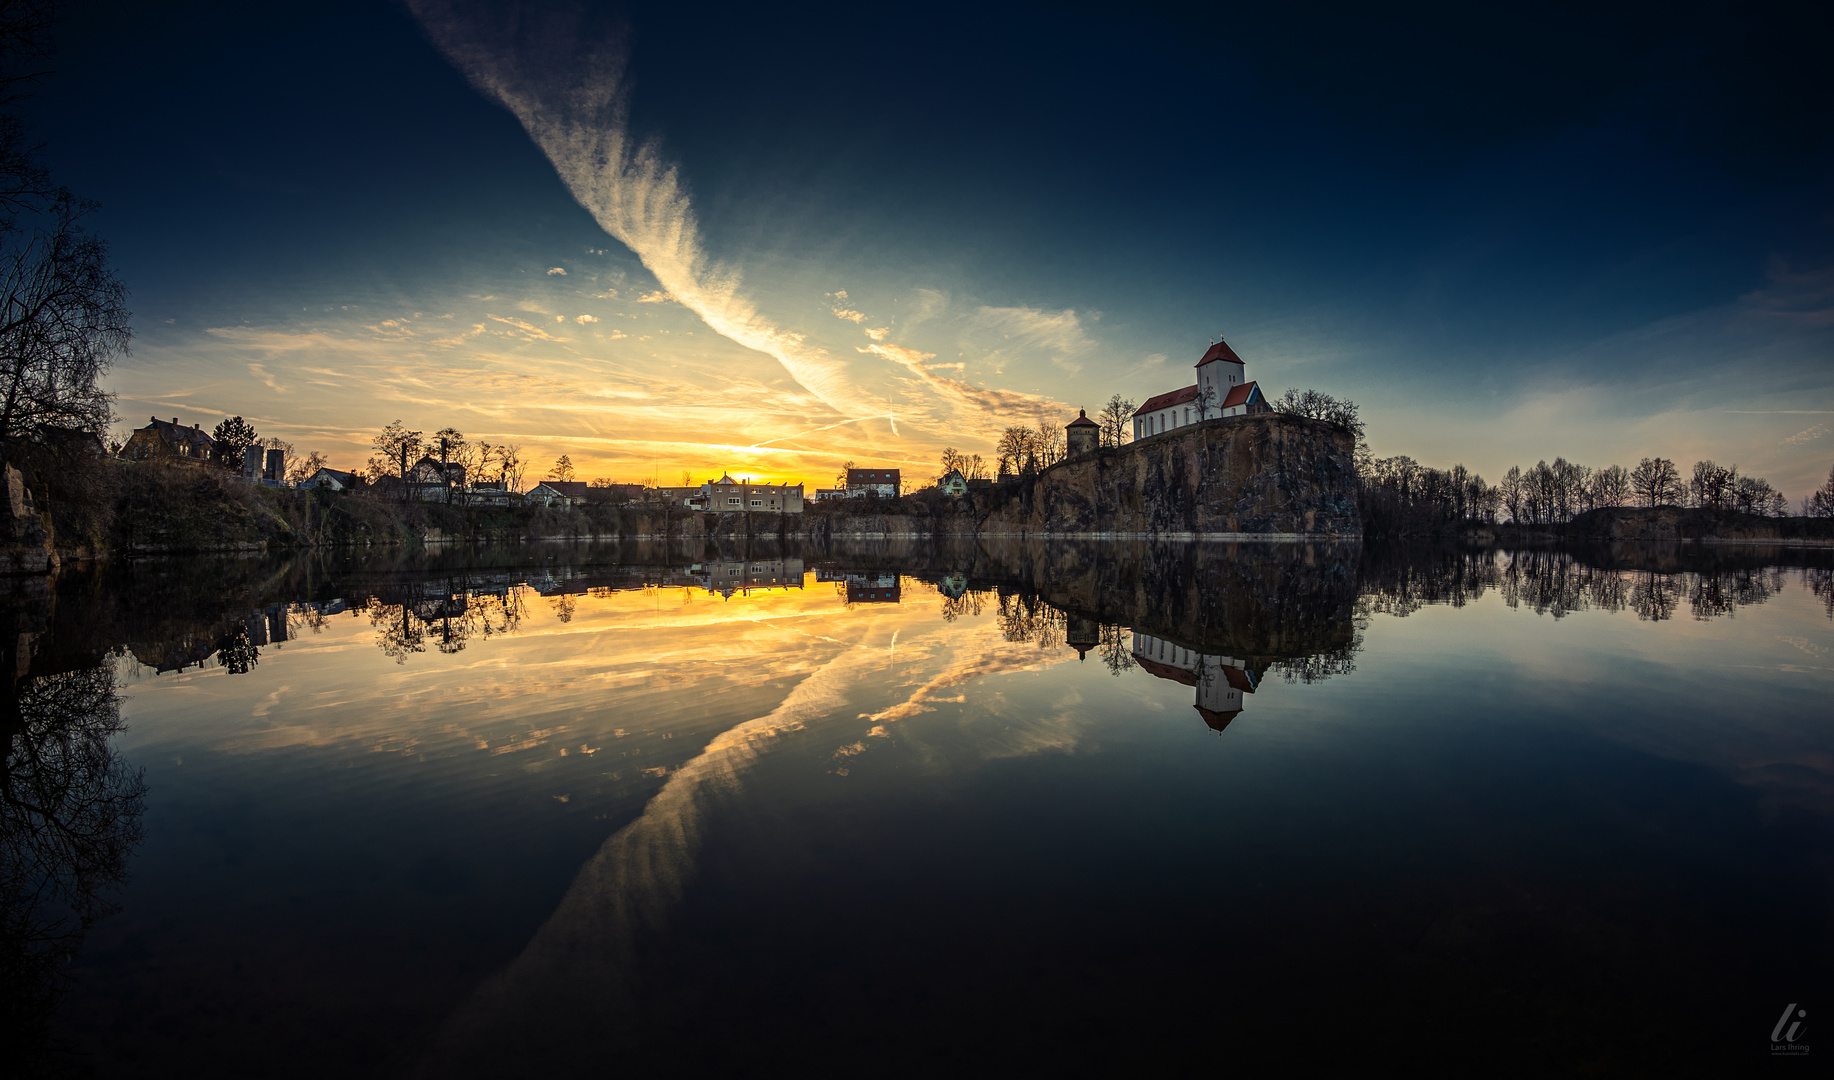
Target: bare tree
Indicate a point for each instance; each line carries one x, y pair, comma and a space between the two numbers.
1655, 481
951, 461
562, 470
63, 320
1313, 405
974, 468
1115, 420
1711, 485
1510, 492
510, 466
1610, 487
396, 448
1820, 502
1050, 442
303, 469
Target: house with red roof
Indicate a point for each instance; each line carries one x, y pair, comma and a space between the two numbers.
1222, 390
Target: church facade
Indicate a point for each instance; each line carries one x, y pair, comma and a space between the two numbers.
1222, 389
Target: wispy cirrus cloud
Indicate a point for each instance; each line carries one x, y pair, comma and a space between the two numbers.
562, 75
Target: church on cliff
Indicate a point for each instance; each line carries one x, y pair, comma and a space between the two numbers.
1222, 389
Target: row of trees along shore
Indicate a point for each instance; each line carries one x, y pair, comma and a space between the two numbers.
1401, 496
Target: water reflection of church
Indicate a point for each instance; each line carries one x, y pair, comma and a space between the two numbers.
1220, 680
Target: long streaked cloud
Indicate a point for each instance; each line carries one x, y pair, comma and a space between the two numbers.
562, 76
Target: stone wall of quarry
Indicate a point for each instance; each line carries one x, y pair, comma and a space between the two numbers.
1244, 476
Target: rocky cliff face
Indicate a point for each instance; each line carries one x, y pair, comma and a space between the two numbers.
1244, 475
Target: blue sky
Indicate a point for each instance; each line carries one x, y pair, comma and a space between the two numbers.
837, 233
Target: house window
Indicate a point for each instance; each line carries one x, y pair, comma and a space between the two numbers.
757, 502
732, 502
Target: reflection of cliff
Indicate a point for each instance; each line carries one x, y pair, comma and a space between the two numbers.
1220, 681
1273, 602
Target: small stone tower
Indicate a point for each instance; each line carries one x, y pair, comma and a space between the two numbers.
1082, 436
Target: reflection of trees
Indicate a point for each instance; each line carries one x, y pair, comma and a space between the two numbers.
968, 603
1116, 648
564, 606
446, 615
1319, 666
1029, 618
236, 652
1820, 581
1557, 583
69, 820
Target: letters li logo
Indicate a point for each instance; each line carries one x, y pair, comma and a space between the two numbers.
1783, 1037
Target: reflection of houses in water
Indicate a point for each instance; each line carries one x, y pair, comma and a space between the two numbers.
567, 580
729, 576
1082, 634
236, 642
872, 589
164, 656
267, 626
1220, 680
953, 586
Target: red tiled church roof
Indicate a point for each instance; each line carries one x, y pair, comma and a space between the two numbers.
1240, 395
1176, 397
1220, 351
1082, 420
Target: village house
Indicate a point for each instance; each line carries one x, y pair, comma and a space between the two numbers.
726, 496
332, 479
1220, 680
730, 576
557, 493
1222, 390
490, 493
884, 483
435, 481
824, 494
163, 439
617, 493
873, 589
682, 497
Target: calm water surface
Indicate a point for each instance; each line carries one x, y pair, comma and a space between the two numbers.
563, 810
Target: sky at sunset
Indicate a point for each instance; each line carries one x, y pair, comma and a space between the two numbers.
761, 239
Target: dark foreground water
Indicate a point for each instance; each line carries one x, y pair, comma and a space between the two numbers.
570, 811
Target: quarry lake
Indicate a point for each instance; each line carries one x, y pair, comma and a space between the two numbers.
571, 809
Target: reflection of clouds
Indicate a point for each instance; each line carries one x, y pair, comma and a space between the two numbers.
578, 971
577, 968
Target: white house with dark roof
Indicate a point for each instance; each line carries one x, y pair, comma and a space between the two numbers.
1222, 389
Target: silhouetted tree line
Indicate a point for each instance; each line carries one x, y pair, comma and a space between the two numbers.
1401, 497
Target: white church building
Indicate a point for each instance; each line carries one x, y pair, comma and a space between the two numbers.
1220, 680
1222, 389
